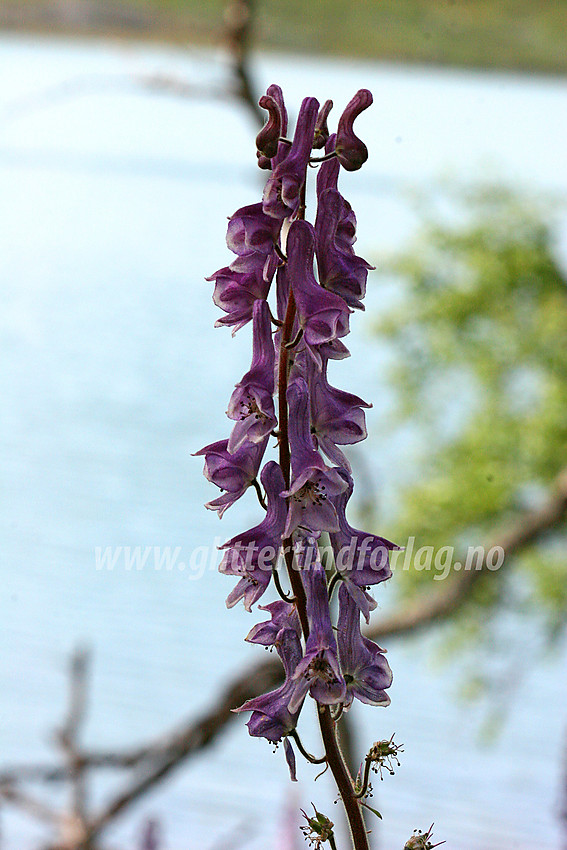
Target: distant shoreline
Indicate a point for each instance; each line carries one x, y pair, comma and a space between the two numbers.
522, 37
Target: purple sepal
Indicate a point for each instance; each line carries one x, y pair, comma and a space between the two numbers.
313, 482
253, 554
271, 716
282, 194
251, 404
352, 153
233, 473
267, 140
340, 270
361, 558
318, 672
252, 235
337, 417
283, 615
367, 673
235, 293
290, 759
321, 133
323, 316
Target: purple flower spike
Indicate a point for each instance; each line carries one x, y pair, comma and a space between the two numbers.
271, 716
252, 555
282, 195
336, 417
233, 473
367, 673
312, 481
283, 615
319, 671
340, 270
267, 139
252, 402
352, 153
362, 559
235, 293
323, 315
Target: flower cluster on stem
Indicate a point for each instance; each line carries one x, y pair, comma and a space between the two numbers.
315, 281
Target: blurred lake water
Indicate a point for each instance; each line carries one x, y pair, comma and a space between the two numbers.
114, 198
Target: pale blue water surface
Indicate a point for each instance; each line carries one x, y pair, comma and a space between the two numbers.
113, 209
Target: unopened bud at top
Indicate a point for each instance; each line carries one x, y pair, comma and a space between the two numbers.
268, 137
321, 129
351, 151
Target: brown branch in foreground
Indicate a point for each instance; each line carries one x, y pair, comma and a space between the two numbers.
153, 762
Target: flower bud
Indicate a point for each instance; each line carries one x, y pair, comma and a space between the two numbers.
351, 152
268, 137
321, 130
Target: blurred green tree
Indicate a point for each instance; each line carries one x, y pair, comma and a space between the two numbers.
479, 336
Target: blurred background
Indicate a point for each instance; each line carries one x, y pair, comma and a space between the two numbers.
126, 139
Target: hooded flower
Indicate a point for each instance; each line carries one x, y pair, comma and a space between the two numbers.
327, 178
362, 559
318, 672
272, 717
251, 404
252, 236
253, 554
336, 417
323, 316
351, 152
272, 100
282, 195
283, 615
366, 672
340, 270
233, 473
313, 482
235, 293
321, 133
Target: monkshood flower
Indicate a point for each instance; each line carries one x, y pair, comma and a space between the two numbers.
252, 404
340, 270
366, 672
272, 717
252, 235
253, 554
235, 293
351, 152
233, 473
282, 195
361, 559
318, 672
313, 482
327, 178
337, 417
283, 615
323, 316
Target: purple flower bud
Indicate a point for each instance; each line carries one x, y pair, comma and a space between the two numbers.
282, 195
271, 716
323, 315
340, 270
318, 672
321, 130
313, 483
253, 554
336, 417
252, 403
352, 153
235, 293
233, 473
267, 139
366, 672
283, 615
